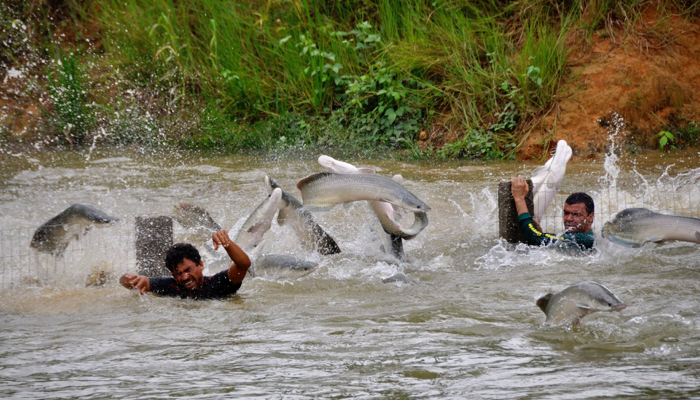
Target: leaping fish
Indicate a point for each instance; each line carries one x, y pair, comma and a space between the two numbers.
387, 214
192, 216
323, 190
633, 227
547, 179
310, 233
260, 220
54, 235
577, 301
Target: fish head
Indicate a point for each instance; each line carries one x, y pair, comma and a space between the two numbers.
415, 205
590, 297
601, 298
90, 213
627, 227
579, 300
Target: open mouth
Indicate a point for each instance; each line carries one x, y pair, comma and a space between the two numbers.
189, 284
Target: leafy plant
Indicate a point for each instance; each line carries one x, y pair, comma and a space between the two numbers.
71, 115
478, 144
664, 138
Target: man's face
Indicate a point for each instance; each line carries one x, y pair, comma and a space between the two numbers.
576, 219
189, 275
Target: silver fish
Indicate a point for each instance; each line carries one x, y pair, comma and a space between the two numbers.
284, 262
55, 234
391, 225
577, 301
278, 266
633, 227
192, 216
547, 179
309, 232
386, 212
323, 190
260, 220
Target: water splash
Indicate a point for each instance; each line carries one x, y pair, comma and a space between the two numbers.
612, 170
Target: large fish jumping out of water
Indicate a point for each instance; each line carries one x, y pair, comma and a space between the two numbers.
323, 190
386, 212
577, 301
260, 220
633, 227
55, 234
309, 232
195, 217
547, 179
390, 233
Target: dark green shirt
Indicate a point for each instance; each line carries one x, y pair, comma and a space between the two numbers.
534, 237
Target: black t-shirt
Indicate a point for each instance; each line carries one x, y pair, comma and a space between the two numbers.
215, 287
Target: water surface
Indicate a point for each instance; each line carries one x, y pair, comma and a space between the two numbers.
469, 327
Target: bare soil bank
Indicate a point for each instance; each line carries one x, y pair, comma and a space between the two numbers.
645, 78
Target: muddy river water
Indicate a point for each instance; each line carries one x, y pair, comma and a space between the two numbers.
467, 328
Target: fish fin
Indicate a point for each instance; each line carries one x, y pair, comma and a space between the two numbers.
543, 301
368, 171
583, 306
697, 235
622, 242
655, 239
551, 182
347, 204
315, 208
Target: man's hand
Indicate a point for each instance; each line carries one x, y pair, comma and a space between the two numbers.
240, 259
132, 281
518, 187
221, 238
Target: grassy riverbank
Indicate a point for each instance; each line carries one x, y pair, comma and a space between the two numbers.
357, 75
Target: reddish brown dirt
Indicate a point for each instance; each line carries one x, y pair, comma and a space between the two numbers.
643, 77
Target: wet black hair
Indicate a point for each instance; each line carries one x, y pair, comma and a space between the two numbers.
580, 197
178, 252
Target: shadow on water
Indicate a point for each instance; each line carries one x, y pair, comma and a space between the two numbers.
467, 327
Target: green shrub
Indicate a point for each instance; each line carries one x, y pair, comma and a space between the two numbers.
70, 116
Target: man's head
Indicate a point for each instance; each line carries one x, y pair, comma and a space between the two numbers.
186, 265
578, 213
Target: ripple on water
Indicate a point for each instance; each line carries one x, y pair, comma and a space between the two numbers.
469, 327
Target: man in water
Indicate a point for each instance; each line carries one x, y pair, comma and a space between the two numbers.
578, 219
186, 265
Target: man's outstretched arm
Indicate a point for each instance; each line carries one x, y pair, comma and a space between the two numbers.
133, 281
240, 259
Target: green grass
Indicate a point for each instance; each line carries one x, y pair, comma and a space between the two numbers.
267, 74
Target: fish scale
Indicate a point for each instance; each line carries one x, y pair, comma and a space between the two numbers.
633, 227
323, 190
